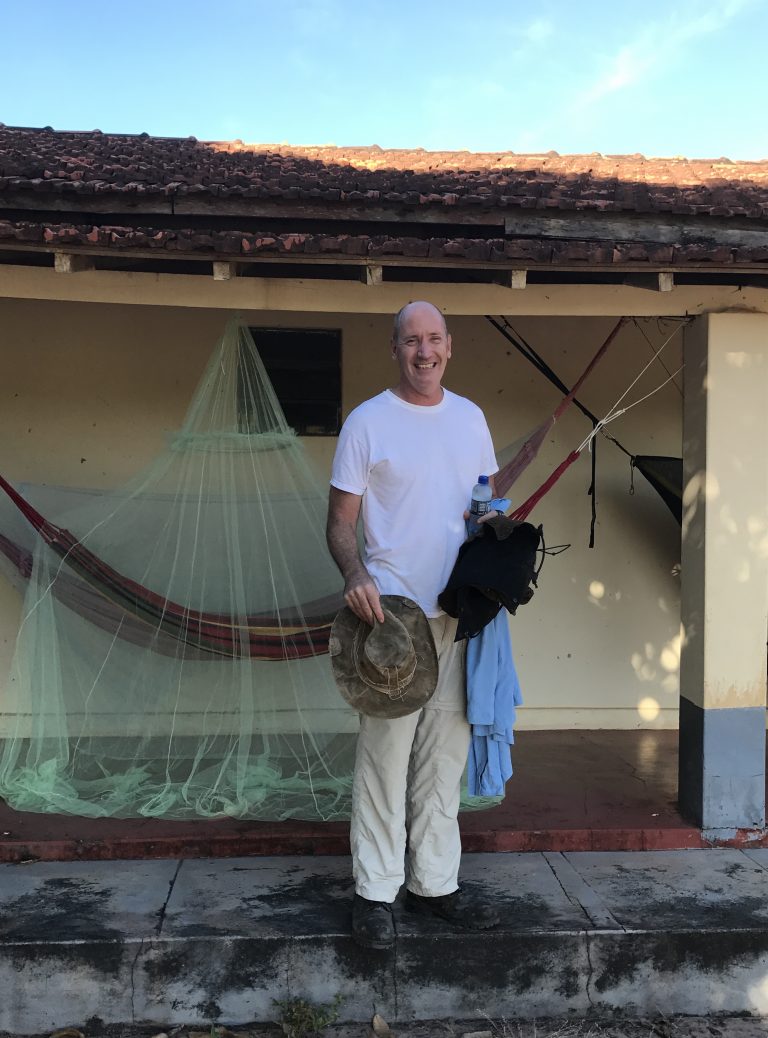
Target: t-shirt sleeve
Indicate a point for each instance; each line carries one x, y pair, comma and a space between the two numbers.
350, 468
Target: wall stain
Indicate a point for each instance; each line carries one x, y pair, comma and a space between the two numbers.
209, 972
671, 952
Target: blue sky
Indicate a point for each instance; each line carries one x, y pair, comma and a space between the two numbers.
682, 77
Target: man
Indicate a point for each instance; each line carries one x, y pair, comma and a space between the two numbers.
407, 460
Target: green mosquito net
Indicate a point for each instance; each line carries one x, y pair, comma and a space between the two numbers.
172, 658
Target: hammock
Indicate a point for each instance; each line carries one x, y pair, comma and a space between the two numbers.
665, 474
524, 510
171, 659
103, 595
510, 471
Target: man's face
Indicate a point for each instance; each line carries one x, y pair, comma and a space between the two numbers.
422, 350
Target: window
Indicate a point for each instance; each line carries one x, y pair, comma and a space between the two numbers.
304, 366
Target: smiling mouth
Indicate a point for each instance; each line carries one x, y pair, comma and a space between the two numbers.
426, 367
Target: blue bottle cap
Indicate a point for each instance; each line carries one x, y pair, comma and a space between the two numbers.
482, 479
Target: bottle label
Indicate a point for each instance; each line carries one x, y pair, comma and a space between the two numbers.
479, 507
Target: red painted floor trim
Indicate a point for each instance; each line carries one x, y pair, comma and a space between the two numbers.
572, 791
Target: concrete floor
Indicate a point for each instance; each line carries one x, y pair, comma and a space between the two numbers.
571, 791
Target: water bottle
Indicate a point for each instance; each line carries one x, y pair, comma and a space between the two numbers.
480, 503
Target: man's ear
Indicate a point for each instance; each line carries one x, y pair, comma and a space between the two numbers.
448, 351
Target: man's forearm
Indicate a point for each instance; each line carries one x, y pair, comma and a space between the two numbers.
342, 544
360, 591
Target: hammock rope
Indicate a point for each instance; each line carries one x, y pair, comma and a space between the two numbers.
526, 350
615, 412
512, 470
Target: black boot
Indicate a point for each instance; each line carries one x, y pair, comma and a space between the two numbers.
458, 908
372, 923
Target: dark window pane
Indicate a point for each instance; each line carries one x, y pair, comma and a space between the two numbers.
304, 366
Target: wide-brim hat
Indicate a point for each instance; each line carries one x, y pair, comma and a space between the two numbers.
390, 669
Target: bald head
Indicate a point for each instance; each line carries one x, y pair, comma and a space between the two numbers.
421, 346
412, 308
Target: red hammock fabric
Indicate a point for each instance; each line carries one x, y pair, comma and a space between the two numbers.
525, 509
258, 637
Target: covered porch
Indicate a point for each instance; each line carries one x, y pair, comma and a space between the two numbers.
105, 335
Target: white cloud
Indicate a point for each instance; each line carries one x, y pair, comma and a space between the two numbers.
538, 30
656, 45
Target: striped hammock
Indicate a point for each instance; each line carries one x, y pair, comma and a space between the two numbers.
135, 613
116, 603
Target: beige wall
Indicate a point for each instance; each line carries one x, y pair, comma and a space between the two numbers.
88, 392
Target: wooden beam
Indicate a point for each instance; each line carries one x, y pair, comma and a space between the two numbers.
374, 274
225, 270
441, 263
580, 225
71, 262
339, 297
399, 213
650, 228
656, 281
511, 278
636, 275
33, 202
197, 206
666, 281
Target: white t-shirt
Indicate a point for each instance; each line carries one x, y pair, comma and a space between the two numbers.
414, 468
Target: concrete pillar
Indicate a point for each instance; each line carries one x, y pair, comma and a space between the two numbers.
724, 572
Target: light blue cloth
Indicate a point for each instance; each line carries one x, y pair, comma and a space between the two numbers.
493, 693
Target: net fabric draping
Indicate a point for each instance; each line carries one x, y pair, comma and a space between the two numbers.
117, 705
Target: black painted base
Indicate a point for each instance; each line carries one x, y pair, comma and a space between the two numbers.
721, 767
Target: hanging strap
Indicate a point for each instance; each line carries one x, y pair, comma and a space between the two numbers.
510, 472
567, 400
524, 510
527, 506
526, 350
593, 494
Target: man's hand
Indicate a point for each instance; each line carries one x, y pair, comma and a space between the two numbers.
360, 592
483, 518
362, 597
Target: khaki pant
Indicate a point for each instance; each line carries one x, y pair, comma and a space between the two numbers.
408, 779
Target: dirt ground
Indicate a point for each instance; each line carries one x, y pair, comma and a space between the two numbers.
671, 1027
602, 1027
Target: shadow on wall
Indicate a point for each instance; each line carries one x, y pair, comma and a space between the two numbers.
650, 534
